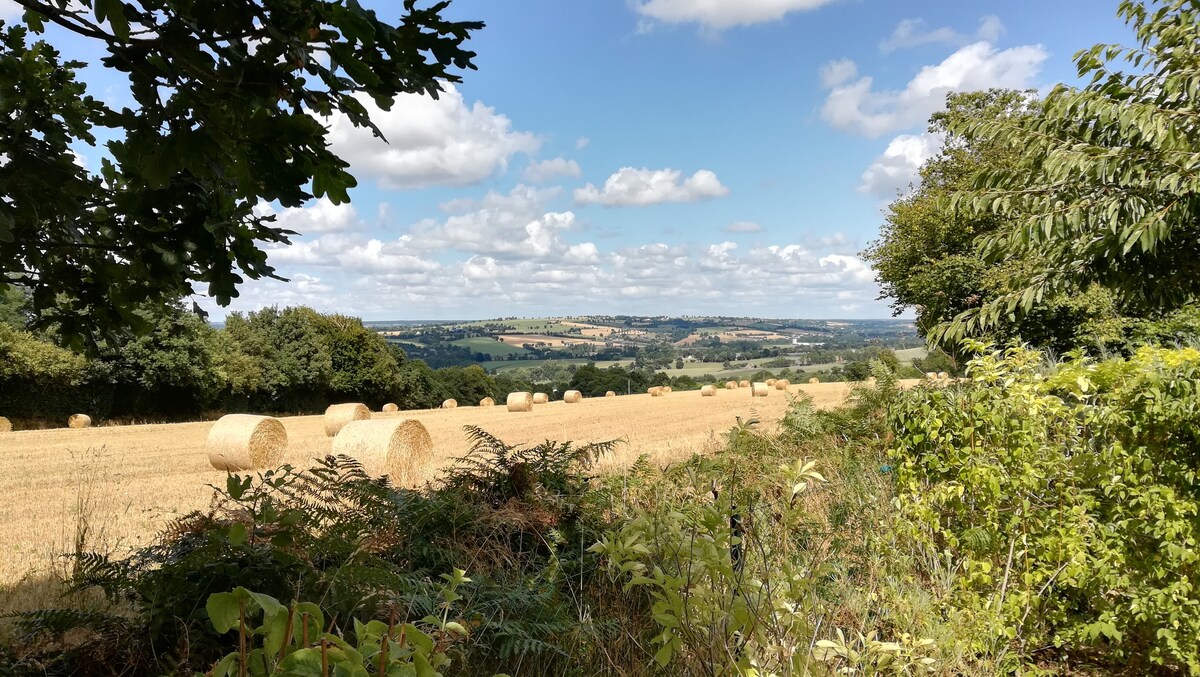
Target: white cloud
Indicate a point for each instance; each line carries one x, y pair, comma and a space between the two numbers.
545, 170
897, 167
912, 33
856, 106
318, 216
582, 142
430, 142
743, 227
641, 187
837, 72
721, 14
10, 10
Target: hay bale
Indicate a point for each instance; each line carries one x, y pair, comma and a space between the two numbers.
79, 421
655, 391
450, 403
731, 385
782, 384
487, 402
743, 384
5, 425
520, 401
814, 380
759, 390
246, 442
931, 375
398, 448
943, 376
572, 396
770, 381
666, 389
708, 391
390, 407
540, 398
338, 415
610, 394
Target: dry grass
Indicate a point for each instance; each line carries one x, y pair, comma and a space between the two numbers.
544, 340
152, 473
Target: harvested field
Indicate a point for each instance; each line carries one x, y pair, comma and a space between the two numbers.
131, 480
544, 340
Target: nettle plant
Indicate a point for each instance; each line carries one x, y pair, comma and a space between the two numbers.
1068, 497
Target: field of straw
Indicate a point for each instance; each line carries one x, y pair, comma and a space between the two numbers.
549, 341
123, 484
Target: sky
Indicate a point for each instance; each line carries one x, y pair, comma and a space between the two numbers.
651, 157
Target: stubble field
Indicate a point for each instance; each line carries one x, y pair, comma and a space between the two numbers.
128, 482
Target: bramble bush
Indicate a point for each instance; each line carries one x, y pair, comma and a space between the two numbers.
1067, 496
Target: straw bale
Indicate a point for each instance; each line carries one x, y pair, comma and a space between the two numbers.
814, 380
708, 391
398, 448
522, 401
338, 415
572, 396
770, 381
731, 385
79, 421
246, 442
931, 375
666, 389
610, 394
943, 376
782, 384
450, 403
540, 398
487, 402
5, 425
759, 390
743, 384
390, 407
655, 391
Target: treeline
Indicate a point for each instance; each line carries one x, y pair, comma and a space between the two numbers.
287, 361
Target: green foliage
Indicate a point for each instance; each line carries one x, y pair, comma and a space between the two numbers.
1066, 497
1103, 186
215, 128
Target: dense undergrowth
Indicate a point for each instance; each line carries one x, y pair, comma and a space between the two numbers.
1038, 518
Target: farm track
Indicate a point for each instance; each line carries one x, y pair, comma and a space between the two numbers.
132, 480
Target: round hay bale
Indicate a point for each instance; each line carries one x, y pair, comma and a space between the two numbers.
770, 381
5, 425
708, 391
943, 376
572, 396
450, 403
666, 389
782, 384
338, 415
246, 442
931, 375
743, 384
540, 398
759, 390
814, 380
390, 407
79, 421
655, 391
487, 402
398, 448
731, 385
610, 394
520, 402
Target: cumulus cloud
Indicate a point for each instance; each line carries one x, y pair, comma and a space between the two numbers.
854, 105
897, 167
318, 216
10, 10
718, 15
837, 72
546, 170
641, 187
913, 33
430, 141
743, 227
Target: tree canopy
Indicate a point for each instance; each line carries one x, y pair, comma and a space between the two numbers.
228, 105
1105, 183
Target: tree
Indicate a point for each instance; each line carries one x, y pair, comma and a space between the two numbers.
928, 255
228, 100
1105, 183
286, 344
363, 367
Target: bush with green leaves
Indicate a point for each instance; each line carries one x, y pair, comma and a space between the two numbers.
1067, 497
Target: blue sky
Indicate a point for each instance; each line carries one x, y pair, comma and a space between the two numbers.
654, 156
